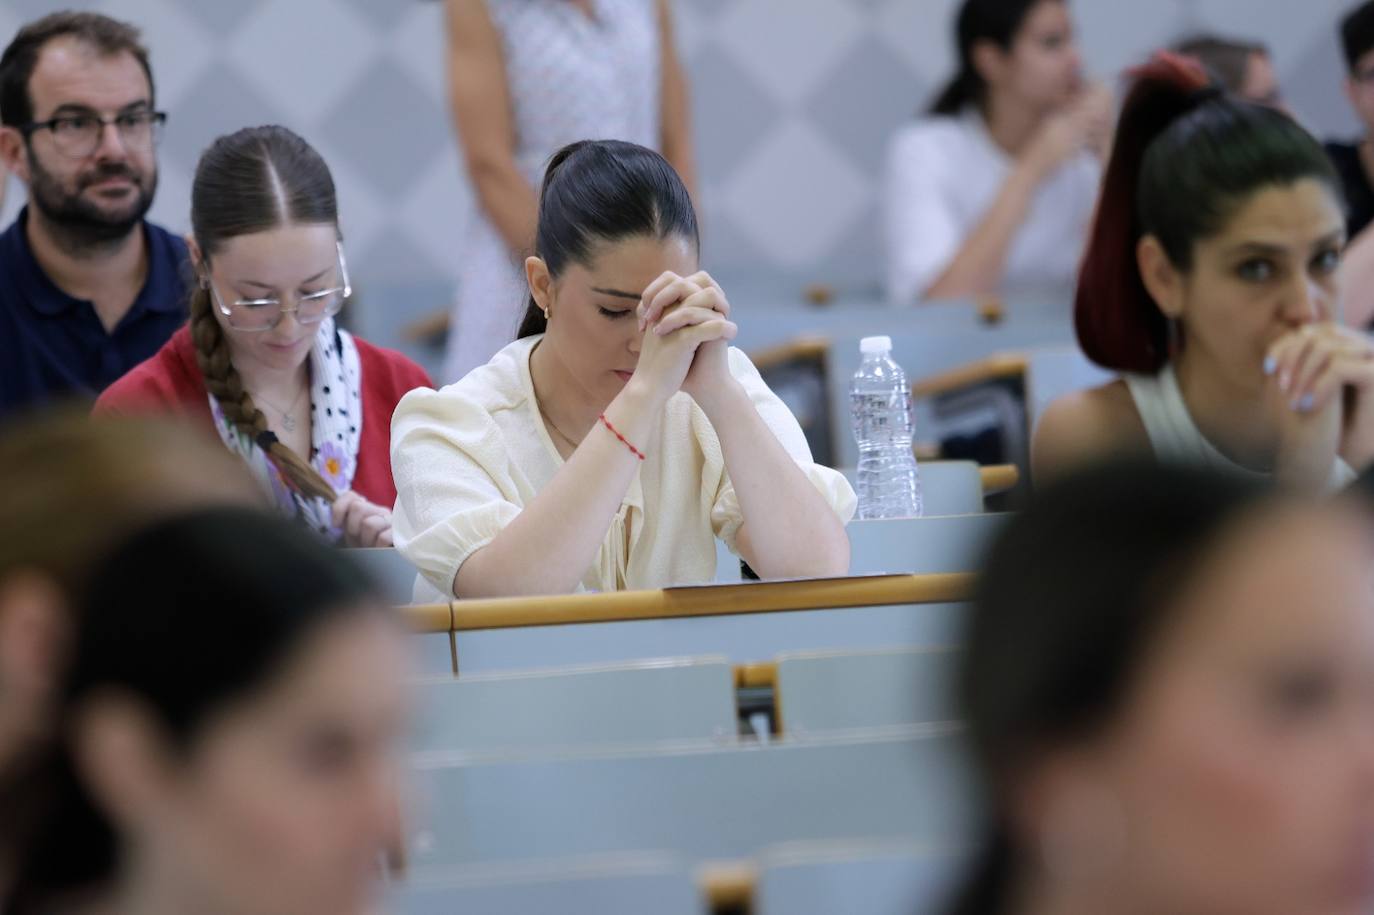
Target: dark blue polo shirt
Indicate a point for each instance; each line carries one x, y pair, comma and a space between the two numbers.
53, 346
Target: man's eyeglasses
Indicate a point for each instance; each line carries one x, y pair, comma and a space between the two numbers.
78, 135
256, 315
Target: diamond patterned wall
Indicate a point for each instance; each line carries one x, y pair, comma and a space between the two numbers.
793, 101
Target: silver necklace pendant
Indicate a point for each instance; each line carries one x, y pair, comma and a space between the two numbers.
288, 422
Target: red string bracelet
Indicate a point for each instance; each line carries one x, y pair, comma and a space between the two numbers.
623, 440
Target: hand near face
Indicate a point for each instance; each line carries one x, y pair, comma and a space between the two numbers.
1097, 110
1084, 124
1322, 385
686, 334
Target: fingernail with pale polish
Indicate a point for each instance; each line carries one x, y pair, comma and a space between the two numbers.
1271, 365
1304, 403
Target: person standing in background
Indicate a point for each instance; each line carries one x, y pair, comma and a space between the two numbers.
91, 289
1242, 67
993, 191
527, 77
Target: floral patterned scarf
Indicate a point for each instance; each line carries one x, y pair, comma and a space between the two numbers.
336, 420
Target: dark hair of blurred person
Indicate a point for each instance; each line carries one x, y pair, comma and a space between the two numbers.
991, 192
1168, 682
1353, 158
1357, 34
230, 720
1244, 68
70, 487
1211, 284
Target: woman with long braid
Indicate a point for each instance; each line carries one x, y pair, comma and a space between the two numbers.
305, 403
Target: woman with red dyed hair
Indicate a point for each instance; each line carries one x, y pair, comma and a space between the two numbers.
1210, 283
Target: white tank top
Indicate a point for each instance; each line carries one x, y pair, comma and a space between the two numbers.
1174, 437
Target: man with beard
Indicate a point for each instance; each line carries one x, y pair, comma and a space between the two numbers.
88, 289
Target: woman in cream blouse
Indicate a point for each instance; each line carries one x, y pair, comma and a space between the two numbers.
609, 445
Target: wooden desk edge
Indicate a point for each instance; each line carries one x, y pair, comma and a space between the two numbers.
678, 603
427, 618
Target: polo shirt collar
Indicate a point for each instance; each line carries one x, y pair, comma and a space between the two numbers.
45, 297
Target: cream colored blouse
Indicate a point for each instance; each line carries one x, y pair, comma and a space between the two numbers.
467, 459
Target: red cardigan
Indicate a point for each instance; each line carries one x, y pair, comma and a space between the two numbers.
171, 381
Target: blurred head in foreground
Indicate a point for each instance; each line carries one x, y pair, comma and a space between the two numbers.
70, 487
1169, 687
230, 721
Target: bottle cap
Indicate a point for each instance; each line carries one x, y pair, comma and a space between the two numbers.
875, 345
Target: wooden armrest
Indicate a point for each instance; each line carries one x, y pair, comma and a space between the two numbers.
729, 885
994, 368
756, 676
800, 349
999, 478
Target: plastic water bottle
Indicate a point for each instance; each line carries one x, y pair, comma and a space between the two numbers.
889, 485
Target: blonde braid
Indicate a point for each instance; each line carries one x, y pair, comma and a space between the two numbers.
223, 382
